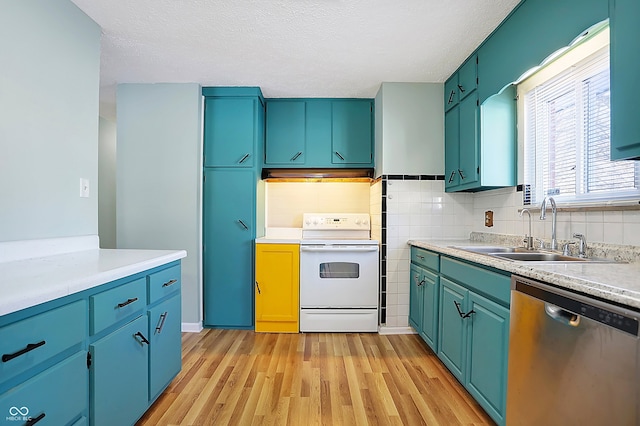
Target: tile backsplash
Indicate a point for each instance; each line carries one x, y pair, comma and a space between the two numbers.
404, 207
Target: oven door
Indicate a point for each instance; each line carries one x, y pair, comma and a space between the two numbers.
339, 276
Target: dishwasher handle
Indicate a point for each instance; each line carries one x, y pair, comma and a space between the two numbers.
562, 315
324, 249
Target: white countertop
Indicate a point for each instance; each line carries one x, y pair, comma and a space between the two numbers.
617, 282
29, 282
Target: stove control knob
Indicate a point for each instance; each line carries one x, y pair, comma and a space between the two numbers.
365, 221
358, 222
315, 221
308, 221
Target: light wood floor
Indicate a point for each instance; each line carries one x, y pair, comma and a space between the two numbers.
232, 377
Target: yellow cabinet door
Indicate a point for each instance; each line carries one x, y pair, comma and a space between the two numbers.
277, 288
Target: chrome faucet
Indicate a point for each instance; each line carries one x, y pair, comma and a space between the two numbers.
543, 216
582, 248
528, 239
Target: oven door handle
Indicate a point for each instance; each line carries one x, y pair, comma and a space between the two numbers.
338, 248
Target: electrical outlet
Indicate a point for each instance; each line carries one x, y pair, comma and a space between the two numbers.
488, 218
84, 188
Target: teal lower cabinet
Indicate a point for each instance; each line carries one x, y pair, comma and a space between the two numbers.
461, 310
474, 331
424, 294
165, 356
229, 230
98, 357
119, 375
57, 396
453, 328
487, 343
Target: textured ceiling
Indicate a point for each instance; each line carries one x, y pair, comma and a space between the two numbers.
289, 48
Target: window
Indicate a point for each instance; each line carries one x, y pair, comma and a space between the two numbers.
567, 129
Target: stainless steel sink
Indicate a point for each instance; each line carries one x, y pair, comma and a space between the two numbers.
521, 254
491, 249
539, 257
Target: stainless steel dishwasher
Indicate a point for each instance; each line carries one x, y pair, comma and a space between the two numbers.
573, 360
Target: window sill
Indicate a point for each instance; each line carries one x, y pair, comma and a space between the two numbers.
591, 207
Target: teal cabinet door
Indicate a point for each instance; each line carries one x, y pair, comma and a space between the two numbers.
229, 229
286, 132
467, 77
56, 396
451, 148
415, 297
351, 132
452, 332
625, 84
230, 135
318, 133
430, 296
451, 92
468, 171
119, 376
488, 346
165, 354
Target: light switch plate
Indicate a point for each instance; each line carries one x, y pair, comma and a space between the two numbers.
84, 188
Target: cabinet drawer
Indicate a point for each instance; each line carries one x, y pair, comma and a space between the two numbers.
59, 394
163, 282
111, 306
425, 258
29, 342
489, 283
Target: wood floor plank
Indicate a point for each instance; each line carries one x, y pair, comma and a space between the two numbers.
238, 377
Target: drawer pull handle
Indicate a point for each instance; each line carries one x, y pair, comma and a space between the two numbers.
258, 287
34, 420
243, 225
420, 283
168, 283
451, 95
421, 257
29, 348
243, 159
142, 338
160, 325
461, 88
339, 156
128, 302
295, 157
461, 174
462, 314
453, 174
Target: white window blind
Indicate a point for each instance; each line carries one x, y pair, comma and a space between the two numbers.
567, 137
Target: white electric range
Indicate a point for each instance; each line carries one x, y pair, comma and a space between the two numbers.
339, 266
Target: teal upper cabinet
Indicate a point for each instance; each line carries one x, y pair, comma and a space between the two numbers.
319, 133
286, 129
351, 132
533, 31
625, 84
480, 140
232, 128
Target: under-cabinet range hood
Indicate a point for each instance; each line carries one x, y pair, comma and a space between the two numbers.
275, 174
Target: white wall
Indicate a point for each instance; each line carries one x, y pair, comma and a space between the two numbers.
158, 176
410, 129
107, 183
49, 82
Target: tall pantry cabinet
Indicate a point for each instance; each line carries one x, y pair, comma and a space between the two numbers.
233, 152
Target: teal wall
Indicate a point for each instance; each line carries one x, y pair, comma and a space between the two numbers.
159, 174
107, 183
49, 82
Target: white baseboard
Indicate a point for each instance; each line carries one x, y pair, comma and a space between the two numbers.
192, 327
395, 330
